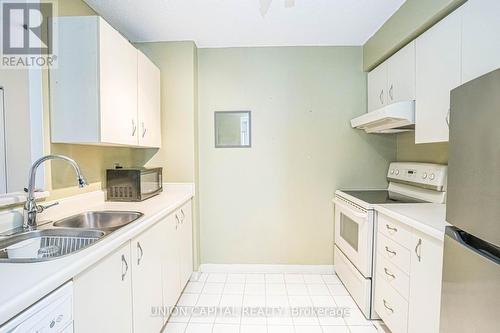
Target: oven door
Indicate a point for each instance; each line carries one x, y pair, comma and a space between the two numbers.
354, 235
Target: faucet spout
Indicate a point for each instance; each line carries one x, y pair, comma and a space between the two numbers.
30, 207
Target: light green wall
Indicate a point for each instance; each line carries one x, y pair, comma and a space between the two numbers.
179, 86
177, 63
409, 21
429, 152
271, 203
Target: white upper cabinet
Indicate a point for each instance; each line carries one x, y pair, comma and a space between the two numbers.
437, 72
377, 87
393, 80
401, 75
101, 86
148, 103
480, 38
118, 87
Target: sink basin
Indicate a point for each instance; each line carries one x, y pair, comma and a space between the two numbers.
46, 244
100, 220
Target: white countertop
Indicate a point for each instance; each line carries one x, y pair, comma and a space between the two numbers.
22, 284
427, 218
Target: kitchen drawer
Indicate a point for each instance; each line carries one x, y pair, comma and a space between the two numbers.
393, 253
393, 276
390, 306
395, 230
359, 287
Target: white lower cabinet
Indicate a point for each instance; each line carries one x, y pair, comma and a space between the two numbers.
171, 262
117, 293
425, 287
146, 279
186, 241
408, 278
103, 295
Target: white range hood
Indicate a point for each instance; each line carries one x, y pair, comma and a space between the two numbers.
393, 118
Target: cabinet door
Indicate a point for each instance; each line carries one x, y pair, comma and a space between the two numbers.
147, 281
148, 102
438, 72
186, 243
377, 87
103, 295
425, 285
401, 75
480, 38
170, 261
118, 87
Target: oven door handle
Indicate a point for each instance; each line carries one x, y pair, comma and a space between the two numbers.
349, 209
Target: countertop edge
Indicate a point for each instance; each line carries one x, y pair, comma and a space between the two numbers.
411, 222
80, 263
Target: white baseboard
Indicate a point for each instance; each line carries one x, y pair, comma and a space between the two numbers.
256, 268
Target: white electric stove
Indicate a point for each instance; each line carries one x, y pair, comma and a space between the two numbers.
355, 222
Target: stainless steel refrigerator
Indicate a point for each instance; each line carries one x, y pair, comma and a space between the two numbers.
470, 300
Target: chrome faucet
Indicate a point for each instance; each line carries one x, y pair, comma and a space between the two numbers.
30, 207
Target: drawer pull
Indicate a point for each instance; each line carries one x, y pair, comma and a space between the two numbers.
388, 273
387, 307
390, 251
391, 228
418, 249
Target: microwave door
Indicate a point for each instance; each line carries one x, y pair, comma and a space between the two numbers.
151, 183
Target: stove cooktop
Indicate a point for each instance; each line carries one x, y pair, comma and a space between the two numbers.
381, 197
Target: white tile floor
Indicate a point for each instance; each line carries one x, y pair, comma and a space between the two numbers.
264, 291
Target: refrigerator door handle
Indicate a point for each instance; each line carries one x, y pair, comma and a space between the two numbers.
478, 246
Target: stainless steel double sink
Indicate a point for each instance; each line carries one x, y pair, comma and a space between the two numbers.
63, 237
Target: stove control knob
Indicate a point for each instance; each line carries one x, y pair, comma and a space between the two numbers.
424, 176
397, 172
432, 176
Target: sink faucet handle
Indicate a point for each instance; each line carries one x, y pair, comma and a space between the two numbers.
35, 190
41, 208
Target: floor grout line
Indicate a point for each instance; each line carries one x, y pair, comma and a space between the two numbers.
266, 296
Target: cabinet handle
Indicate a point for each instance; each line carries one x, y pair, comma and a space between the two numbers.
389, 273
381, 96
448, 118
140, 253
391, 228
124, 262
183, 216
178, 221
134, 127
418, 249
390, 92
387, 307
143, 130
390, 251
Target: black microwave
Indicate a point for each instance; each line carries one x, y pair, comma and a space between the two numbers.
133, 184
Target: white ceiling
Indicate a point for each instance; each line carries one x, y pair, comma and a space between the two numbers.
233, 23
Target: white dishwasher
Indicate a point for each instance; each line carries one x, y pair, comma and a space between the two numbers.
53, 313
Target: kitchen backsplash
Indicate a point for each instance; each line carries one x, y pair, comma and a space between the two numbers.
407, 150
